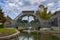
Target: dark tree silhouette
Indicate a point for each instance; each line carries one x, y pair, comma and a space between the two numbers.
2, 17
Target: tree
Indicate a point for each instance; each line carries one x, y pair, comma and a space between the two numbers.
34, 21
56, 12
22, 21
43, 14
25, 21
2, 17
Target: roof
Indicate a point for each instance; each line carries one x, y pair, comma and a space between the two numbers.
26, 11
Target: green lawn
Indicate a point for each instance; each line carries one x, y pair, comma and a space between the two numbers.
50, 31
54, 31
4, 30
22, 28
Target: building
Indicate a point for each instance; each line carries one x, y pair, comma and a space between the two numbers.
55, 19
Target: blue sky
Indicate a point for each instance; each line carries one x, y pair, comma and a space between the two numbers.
14, 7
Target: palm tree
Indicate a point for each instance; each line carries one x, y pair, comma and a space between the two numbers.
43, 14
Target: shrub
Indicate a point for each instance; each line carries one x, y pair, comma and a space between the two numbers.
1, 26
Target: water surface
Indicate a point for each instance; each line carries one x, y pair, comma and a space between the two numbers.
38, 36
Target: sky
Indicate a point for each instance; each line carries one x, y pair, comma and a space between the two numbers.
13, 8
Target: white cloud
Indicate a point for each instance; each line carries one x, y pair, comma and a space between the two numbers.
35, 1
11, 4
26, 18
58, 3
13, 1
15, 4
51, 4
20, 3
16, 0
58, 9
28, 8
53, 11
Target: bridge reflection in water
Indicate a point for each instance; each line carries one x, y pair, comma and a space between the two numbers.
38, 36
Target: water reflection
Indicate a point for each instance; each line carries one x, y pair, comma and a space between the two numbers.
25, 38
37, 36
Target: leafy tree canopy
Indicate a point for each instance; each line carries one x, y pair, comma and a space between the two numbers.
2, 17
44, 14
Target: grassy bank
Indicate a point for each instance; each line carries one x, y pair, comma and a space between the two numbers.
4, 30
22, 28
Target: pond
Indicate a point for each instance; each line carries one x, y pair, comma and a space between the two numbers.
38, 36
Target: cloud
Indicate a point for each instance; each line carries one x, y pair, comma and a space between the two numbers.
14, 7
55, 10
35, 1
20, 3
13, 1
11, 4
51, 4
58, 3
58, 9
26, 18
29, 8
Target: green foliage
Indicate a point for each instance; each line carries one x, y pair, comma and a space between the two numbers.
34, 21
22, 28
23, 21
1, 26
43, 14
4, 30
2, 17
56, 12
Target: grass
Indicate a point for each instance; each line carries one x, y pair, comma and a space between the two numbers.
45, 31
50, 31
22, 28
4, 30
54, 31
